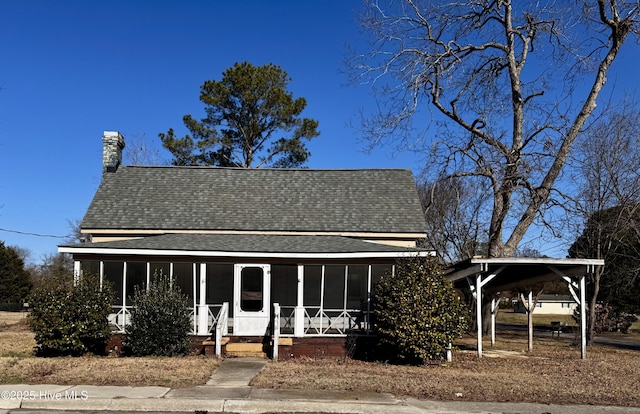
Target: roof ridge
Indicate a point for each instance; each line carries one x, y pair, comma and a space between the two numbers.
203, 167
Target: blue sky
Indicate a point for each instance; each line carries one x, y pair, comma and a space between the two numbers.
73, 69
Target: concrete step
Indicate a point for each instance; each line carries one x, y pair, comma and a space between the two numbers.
245, 349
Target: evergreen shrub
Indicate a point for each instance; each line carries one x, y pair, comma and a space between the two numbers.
68, 318
418, 313
160, 320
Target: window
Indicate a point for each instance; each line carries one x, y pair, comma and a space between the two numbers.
566, 305
251, 285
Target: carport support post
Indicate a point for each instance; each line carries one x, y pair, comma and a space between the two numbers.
583, 318
493, 321
479, 311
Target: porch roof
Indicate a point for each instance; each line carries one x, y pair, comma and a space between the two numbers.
245, 245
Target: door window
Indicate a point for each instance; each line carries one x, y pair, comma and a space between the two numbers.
251, 286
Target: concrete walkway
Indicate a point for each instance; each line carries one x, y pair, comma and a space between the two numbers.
228, 390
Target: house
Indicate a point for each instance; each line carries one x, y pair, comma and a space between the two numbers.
549, 305
294, 253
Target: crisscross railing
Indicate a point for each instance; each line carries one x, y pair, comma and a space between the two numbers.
119, 319
287, 320
328, 322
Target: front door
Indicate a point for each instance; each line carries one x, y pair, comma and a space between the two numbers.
251, 287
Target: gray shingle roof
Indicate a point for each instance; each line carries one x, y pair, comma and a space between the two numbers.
201, 198
251, 243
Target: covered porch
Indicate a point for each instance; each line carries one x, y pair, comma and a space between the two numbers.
249, 285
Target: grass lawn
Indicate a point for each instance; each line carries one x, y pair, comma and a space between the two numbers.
552, 373
19, 365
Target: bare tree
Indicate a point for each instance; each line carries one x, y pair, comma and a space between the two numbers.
608, 166
453, 213
510, 86
142, 151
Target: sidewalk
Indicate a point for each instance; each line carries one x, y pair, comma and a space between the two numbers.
228, 390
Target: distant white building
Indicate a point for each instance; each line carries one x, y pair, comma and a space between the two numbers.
549, 305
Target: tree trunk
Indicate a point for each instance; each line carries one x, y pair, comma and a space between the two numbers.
592, 305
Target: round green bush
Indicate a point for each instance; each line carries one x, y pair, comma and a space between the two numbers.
70, 318
160, 321
417, 313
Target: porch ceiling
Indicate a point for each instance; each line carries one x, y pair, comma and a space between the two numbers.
244, 245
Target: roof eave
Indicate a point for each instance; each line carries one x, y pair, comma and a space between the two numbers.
283, 255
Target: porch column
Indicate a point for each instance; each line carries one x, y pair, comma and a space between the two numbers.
298, 328
125, 313
101, 274
76, 272
203, 309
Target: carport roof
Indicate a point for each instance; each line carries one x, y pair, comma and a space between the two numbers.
515, 272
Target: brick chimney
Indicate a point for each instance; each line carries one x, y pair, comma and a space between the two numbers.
112, 146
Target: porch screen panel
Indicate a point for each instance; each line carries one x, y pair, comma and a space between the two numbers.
220, 285
183, 279
284, 284
90, 267
334, 287
357, 283
156, 269
136, 276
312, 285
377, 271
113, 273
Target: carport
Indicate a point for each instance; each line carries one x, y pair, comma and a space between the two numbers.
492, 275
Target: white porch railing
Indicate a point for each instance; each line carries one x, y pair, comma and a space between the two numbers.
323, 322
119, 319
222, 327
286, 320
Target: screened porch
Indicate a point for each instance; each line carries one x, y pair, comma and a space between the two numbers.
315, 299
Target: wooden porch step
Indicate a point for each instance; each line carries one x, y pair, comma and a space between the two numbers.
245, 349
